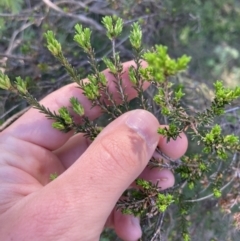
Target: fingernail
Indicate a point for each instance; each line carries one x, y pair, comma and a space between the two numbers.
145, 124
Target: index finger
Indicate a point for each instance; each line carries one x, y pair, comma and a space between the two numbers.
34, 127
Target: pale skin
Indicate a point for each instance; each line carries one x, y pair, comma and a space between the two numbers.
92, 176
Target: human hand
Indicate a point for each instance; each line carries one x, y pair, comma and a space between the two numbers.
92, 176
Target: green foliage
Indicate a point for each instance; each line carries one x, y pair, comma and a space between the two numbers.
186, 237
110, 65
163, 201
13, 6
148, 201
223, 96
5, 82
55, 48
143, 183
53, 176
217, 193
162, 66
82, 37
113, 25
64, 113
52, 44
136, 36
21, 85
214, 141
77, 107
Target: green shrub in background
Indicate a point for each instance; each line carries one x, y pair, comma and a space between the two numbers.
13, 5
202, 175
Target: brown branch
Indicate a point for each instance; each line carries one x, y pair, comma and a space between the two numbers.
16, 57
81, 18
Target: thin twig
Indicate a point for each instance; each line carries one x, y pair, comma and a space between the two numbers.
172, 161
232, 109
157, 233
211, 195
9, 121
11, 45
91, 8
16, 57
81, 18
8, 111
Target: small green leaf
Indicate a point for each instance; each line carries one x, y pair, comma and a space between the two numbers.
83, 37
103, 79
53, 176
186, 237
217, 192
143, 183
52, 44
132, 76
136, 36
64, 113
110, 65
58, 125
21, 85
163, 201
113, 25
5, 82
77, 107
191, 185
179, 94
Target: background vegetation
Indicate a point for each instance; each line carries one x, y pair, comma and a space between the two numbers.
209, 31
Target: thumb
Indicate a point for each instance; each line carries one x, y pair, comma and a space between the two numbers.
112, 162
78, 203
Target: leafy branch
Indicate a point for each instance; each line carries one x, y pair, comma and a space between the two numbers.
148, 201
